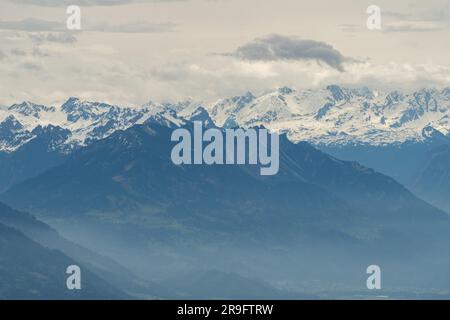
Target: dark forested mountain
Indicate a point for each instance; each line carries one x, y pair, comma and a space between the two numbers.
422, 167
433, 180
29, 270
34, 157
37, 237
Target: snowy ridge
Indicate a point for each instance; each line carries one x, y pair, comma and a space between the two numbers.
341, 116
86, 121
330, 116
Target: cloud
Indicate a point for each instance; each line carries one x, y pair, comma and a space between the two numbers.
136, 27
396, 14
97, 73
32, 66
56, 37
18, 52
32, 24
64, 3
277, 47
35, 52
402, 26
350, 27
436, 19
415, 26
41, 53
61, 35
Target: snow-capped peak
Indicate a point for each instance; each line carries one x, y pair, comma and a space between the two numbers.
163, 113
12, 134
30, 109
11, 123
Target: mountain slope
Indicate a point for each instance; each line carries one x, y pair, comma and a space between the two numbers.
34, 138
433, 181
34, 157
364, 188
13, 134
31, 271
422, 167
102, 266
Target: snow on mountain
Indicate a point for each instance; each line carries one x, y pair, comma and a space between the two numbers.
30, 109
13, 134
329, 116
90, 121
165, 113
86, 121
339, 116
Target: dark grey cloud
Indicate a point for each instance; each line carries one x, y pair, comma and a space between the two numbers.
65, 3
277, 47
2, 55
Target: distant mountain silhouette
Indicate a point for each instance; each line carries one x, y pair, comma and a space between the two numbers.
45, 238
30, 271
433, 180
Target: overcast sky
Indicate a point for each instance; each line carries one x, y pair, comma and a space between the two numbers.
133, 51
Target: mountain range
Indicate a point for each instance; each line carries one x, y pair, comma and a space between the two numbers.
132, 170
122, 196
330, 116
355, 168
359, 124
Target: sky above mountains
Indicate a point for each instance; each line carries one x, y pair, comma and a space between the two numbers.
130, 51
